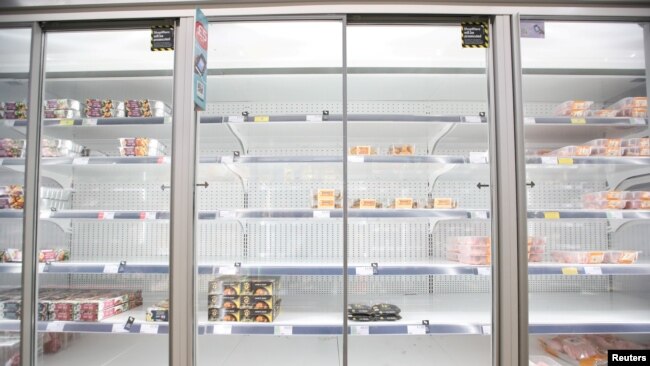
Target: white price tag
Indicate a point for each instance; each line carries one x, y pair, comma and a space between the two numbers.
321, 214
473, 119
615, 215
481, 215
9, 122
148, 328
483, 271
119, 328
637, 121
487, 329
90, 122
479, 157
360, 330
283, 330
355, 159
227, 160
222, 329
46, 214
529, 120
80, 161
314, 118
147, 215
228, 214
55, 327
365, 271
228, 270
106, 215
1, 161
594, 271
550, 160
112, 268
235, 118
416, 329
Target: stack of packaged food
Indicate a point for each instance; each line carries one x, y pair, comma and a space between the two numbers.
633, 107
141, 146
104, 108
474, 250
607, 147
587, 350
56, 148
61, 108
12, 197
146, 108
13, 110
374, 313
617, 200
44, 255
11, 148
536, 248
393, 149
327, 199
72, 304
596, 256
244, 299
159, 312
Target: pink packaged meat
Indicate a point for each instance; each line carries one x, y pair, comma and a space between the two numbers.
573, 108
584, 150
581, 257
621, 256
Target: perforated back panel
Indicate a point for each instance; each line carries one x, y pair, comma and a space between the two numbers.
632, 235
561, 194
466, 193
121, 196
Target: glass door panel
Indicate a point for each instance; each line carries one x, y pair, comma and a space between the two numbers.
419, 197
586, 141
14, 77
104, 208
270, 229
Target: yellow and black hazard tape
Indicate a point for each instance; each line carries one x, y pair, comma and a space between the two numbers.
160, 48
486, 35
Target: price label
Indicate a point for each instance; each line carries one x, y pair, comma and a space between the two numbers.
483, 271
235, 118
478, 157
615, 215
487, 329
112, 268
106, 215
147, 215
90, 122
595, 271
481, 215
549, 160
360, 330
164, 160
1, 161
569, 271
365, 271
578, 121
9, 122
552, 215
321, 214
419, 329
222, 329
45, 214
227, 160
66, 122
565, 161
149, 328
227, 214
80, 161
283, 330
228, 270
261, 119
314, 118
637, 121
529, 120
55, 327
118, 328
473, 119
355, 159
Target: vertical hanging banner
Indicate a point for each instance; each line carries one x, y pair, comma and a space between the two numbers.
475, 35
200, 60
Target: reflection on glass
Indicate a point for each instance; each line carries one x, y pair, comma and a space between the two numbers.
586, 140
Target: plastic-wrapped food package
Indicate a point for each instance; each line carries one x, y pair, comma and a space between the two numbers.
104, 112
633, 112
605, 142
638, 205
57, 148
602, 113
10, 148
141, 112
327, 198
52, 104
366, 203
584, 150
606, 205
141, 146
576, 350
581, 257
637, 151
13, 106
441, 203
641, 195
61, 113
573, 108
146, 108
106, 104
13, 114
12, 197
405, 149
636, 142
404, 203
630, 102
363, 150
621, 256
474, 259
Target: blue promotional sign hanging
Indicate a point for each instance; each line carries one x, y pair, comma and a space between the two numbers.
200, 60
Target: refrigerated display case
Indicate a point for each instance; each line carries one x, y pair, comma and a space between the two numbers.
586, 132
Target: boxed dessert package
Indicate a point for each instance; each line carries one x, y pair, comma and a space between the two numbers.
61, 113
241, 301
366, 203
441, 203
12, 197
403, 202
146, 108
242, 298
243, 315
103, 112
104, 104
11, 148
405, 149
17, 114
159, 312
327, 199
141, 146
13, 106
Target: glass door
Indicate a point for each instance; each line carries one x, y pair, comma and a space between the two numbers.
270, 228
104, 204
419, 244
586, 140
14, 76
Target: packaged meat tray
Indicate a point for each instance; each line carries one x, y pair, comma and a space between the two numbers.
61, 113
605, 142
637, 151
403, 203
575, 349
605, 205
604, 113
581, 257
327, 199
103, 113
474, 259
638, 205
606, 342
441, 203
141, 112
573, 108
62, 104
366, 203
13, 114
641, 195
636, 142
140, 151
406, 149
630, 102
584, 150
104, 104
542, 361
152, 144
146, 104
13, 106
621, 256
633, 112
607, 196
363, 150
